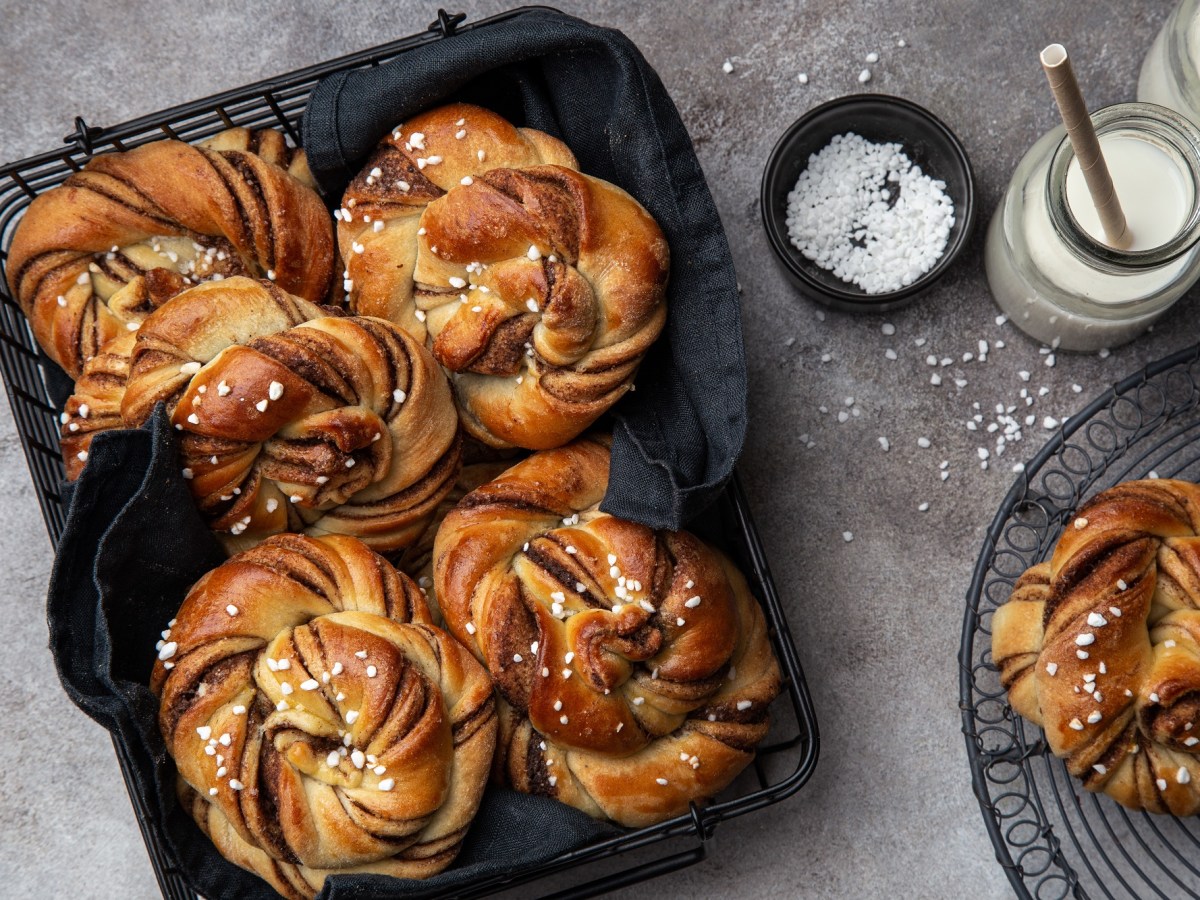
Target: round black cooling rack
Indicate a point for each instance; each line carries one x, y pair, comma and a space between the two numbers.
1053, 838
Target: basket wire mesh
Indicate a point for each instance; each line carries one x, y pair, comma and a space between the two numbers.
1053, 838
787, 758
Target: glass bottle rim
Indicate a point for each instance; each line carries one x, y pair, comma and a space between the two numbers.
1156, 121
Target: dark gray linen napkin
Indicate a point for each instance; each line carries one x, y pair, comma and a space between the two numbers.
134, 543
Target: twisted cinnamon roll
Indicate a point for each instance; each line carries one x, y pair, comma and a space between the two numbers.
235, 205
539, 288
1101, 646
289, 420
320, 724
417, 559
634, 665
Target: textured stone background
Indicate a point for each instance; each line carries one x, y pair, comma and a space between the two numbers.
890, 810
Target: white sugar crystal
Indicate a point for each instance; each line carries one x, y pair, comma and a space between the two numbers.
840, 214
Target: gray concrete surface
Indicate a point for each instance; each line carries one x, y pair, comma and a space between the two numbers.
890, 810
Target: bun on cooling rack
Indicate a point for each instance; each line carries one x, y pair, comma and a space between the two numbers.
1100, 646
634, 665
538, 288
289, 419
320, 723
239, 204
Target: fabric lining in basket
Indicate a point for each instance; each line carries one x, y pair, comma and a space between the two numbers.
134, 543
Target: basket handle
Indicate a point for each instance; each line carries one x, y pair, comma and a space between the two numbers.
446, 23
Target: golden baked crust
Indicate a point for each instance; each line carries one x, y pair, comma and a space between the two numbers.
417, 559
634, 666
235, 206
539, 288
289, 419
268, 145
1101, 645
320, 724
382, 214
95, 406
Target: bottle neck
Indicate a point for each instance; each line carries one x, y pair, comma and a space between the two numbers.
1179, 141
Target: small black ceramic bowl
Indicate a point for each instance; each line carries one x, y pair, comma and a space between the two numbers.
878, 118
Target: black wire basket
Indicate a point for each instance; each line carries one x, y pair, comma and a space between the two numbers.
1053, 838
35, 391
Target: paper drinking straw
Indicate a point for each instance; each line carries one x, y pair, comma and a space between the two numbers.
1087, 146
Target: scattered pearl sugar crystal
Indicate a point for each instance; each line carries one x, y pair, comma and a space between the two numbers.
867, 214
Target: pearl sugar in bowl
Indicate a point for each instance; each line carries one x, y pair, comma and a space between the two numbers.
867, 200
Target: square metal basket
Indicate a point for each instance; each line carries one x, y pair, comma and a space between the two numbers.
34, 385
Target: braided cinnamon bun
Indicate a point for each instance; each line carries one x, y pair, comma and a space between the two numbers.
233, 206
417, 559
1100, 646
538, 288
320, 723
289, 419
633, 665
95, 404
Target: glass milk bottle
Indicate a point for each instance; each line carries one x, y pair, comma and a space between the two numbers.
1048, 265
1171, 73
